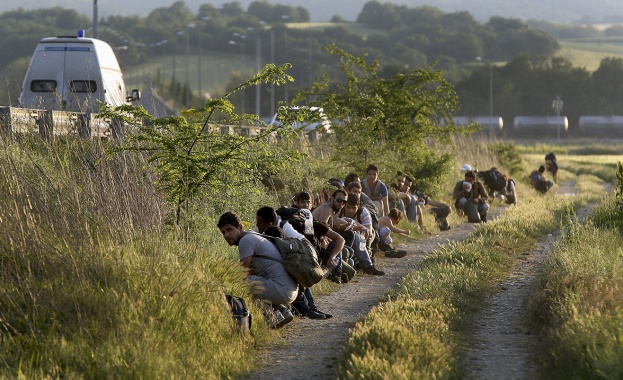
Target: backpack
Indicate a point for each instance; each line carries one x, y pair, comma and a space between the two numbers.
300, 259
300, 219
494, 180
550, 156
373, 217
240, 312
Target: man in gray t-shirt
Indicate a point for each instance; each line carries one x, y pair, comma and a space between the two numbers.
271, 281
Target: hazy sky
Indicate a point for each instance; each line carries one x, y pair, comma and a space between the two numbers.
323, 10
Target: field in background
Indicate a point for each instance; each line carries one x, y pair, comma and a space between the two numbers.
589, 52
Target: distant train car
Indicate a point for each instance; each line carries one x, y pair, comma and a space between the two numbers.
591, 125
491, 123
544, 125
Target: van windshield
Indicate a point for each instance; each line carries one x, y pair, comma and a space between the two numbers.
43, 85
83, 86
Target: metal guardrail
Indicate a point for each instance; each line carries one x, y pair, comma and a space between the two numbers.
56, 123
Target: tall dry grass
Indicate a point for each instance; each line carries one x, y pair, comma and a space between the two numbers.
92, 282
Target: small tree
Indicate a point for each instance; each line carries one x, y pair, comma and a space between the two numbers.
378, 115
193, 158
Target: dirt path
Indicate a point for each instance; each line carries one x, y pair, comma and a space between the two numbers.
502, 343
310, 347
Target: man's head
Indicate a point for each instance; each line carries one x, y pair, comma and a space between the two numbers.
350, 178
354, 188
231, 227
470, 177
352, 205
303, 200
541, 169
406, 187
372, 173
338, 198
265, 217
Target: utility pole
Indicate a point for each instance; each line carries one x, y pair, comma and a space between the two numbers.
95, 17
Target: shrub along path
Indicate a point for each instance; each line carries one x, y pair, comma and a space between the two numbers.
503, 345
309, 348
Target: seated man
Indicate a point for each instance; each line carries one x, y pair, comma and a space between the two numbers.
376, 190
538, 180
275, 283
327, 213
366, 206
266, 217
470, 196
419, 200
328, 243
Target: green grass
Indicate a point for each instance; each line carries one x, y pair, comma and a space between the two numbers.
426, 314
588, 53
578, 301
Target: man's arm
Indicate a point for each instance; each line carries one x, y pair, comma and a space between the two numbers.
458, 189
385, 203
398, 230
337, 247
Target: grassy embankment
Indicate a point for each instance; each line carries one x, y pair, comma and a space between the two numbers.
578, 298
94, 284
420, 328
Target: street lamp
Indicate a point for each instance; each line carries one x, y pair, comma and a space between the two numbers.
242, 63
179, 33
285, 18
557, 106
490, 84
204, 18
187, 92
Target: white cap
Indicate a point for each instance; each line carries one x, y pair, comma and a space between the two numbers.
466, 167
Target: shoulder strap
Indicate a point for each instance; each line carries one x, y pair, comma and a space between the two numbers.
366, 187
268, 258
377, 188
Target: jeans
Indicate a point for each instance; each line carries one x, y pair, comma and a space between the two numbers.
353, 241
462, 202
411, 209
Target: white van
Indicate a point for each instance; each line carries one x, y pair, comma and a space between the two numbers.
73, 74
316, 121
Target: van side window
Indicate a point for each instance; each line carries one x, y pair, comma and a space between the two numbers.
83, 86
43, 85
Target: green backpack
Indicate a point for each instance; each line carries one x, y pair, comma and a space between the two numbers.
300, 259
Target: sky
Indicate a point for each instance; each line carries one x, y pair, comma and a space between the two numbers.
323, 10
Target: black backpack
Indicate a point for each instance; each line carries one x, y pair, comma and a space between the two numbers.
299, 257
300, 219
494, 180
550, 156
240, 312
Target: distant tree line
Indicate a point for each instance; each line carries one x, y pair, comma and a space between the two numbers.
402, 39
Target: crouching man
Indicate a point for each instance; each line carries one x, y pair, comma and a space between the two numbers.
271, 281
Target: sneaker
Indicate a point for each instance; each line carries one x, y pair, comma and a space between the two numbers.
395, 253
282, 318
315, 309
335, 278
371, 270
345, 278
